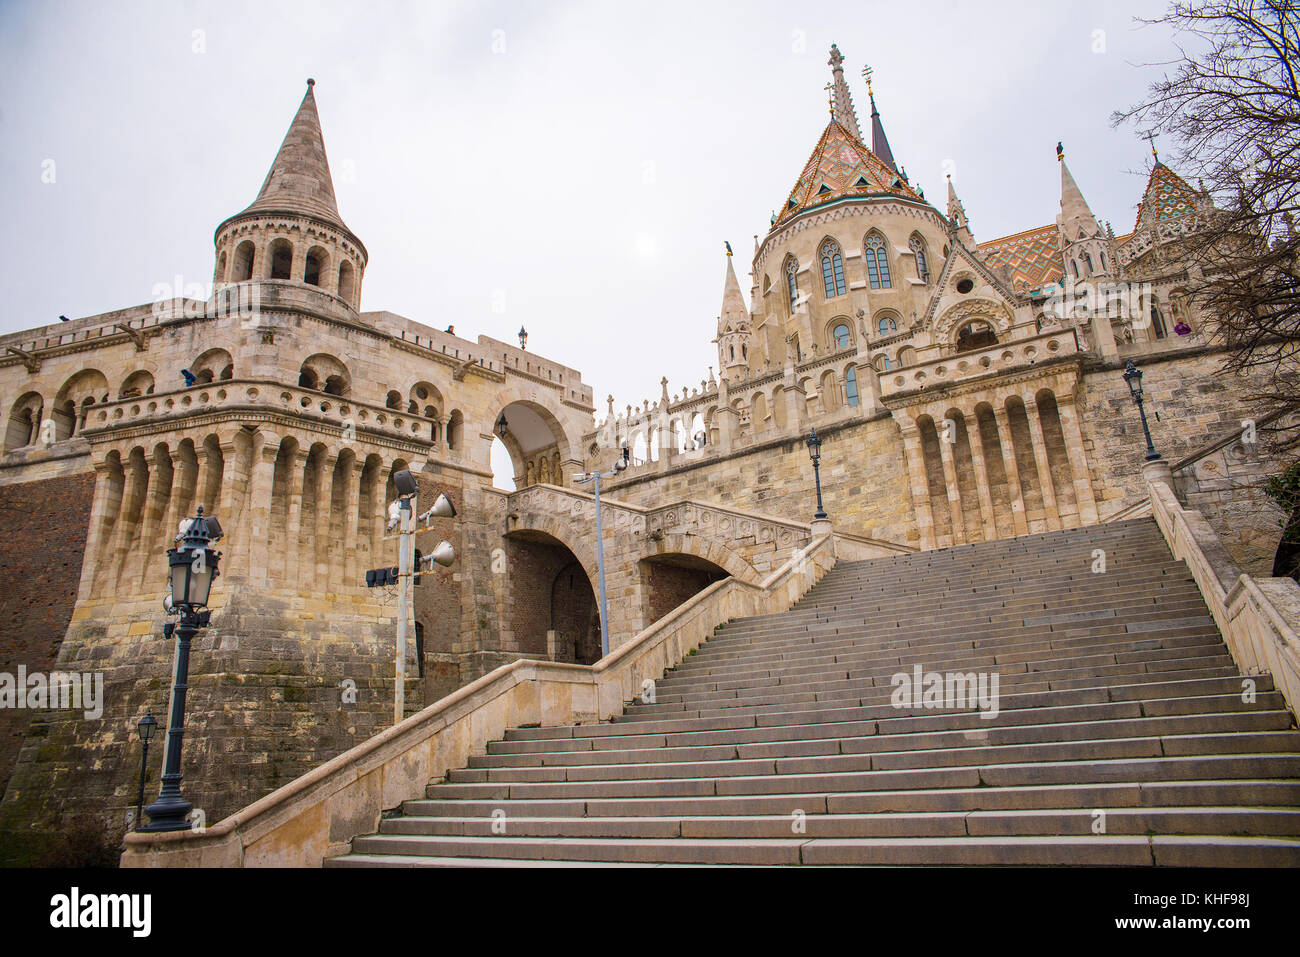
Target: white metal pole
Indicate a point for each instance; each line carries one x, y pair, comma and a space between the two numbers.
600, 573
407, 507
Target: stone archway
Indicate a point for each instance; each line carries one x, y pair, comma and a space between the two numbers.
672, 578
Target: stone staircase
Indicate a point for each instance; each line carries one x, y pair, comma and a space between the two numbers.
1121, 738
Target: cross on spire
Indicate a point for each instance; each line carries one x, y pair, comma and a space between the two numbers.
830, 97
1150, 137
866, 75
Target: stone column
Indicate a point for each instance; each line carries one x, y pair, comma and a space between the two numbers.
1044, 466
353, 574
137, 484
106, 504
161, 490
297, 466
957, 516
184, 476
231, 508
316, 566
914, 453
982, 485
1015, 493
1078, 459
257, 516
378, 519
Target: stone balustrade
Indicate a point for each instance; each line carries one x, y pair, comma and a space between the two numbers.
970, 365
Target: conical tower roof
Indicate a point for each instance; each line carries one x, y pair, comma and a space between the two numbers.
734, 315
880, 142
299, 180
1167, 196
841, 165
1076, 216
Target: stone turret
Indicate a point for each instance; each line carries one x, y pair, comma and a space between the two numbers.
735, 333
293, 231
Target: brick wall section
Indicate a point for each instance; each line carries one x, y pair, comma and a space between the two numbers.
667, 586
42, 540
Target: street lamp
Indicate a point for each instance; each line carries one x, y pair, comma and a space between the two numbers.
146, 728
193, 569
523, 338
595, 477
1133, 376
502, 426
815, 452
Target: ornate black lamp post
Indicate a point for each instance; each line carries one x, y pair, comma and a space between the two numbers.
815, 452
523, 338
193, 568
502, 426
147, 727
1133, 376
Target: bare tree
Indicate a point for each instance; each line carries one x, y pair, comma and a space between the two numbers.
1231, 104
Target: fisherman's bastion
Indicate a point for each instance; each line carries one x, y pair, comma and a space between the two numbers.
964, 390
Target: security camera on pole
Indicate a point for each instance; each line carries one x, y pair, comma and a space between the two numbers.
595, 477
402, 513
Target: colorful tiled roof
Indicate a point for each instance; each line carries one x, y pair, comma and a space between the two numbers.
1033, 255
1167, 196
840, 166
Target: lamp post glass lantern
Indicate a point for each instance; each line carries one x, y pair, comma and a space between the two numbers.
502, 426
146, 728
1133, 376
193, 568
815, 453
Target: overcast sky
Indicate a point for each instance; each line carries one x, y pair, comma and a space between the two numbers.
573, 167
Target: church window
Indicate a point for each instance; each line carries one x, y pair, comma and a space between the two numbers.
877, 261
832, 270
887, 326
842, 336
1087, 261
851, 385
1158, 328
917, 245
1074, 269
792, 282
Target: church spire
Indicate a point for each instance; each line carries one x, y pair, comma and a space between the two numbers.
733, 327
879, 142
299, 180
1076, 217
957, 220
841, 98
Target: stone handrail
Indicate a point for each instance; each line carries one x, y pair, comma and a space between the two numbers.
317, 815
1257, 617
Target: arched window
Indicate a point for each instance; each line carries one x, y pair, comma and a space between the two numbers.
1087, 261
842, 336
888, 326
832, 270
917, 245
1074, 269
316, 264
976, 335
792, 282
281, 259
883, 364
1103, 261
851, 385
877, 261
347, 283
243, 264
1158, 328
394, 400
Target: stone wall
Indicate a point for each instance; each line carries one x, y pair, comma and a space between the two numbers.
42, 540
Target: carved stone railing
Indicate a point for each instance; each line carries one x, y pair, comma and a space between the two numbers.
259, 396
1258, 617
969, 365
318, 815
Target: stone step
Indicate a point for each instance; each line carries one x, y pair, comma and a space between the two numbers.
1059, 851
888, 720
1269, 821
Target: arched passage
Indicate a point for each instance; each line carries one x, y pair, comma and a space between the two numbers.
535, 442
670, 579
548, 601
